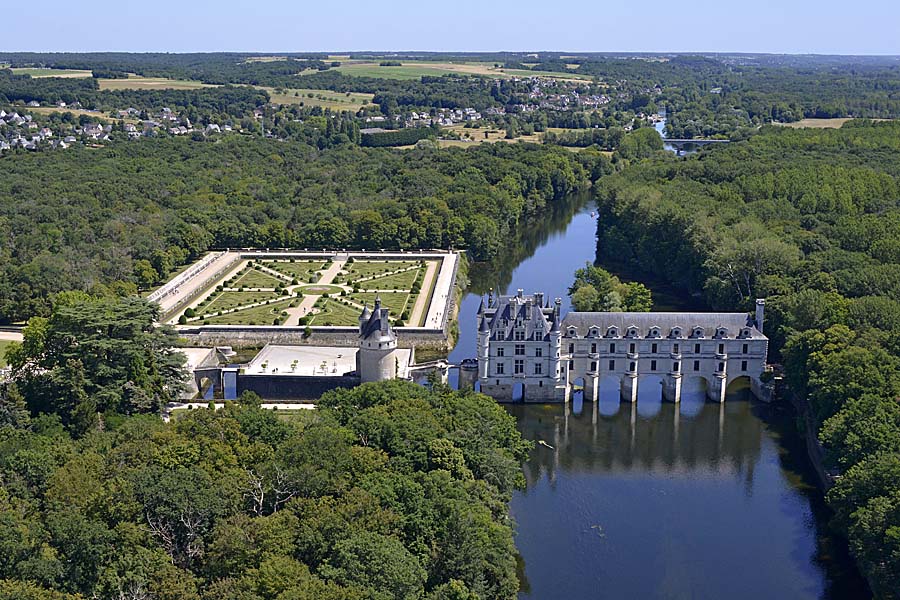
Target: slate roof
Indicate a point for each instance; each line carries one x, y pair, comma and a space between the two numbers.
378, 323
534, 318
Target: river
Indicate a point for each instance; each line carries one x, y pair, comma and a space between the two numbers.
656, 500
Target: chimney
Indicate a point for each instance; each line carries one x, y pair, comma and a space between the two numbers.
519, 293
539, 299
760, 313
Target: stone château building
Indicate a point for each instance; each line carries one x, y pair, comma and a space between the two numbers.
378, 358
527, 349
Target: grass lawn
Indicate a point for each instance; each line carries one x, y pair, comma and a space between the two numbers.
397, 281
258, 315
48, 110
319, 289
414, 69
335, 313
397, 302
4, 344
338, 101
257, 279
368, 268
135, 82
37, 73
229, 300
301, 269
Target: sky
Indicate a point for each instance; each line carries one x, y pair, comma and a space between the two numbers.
773, 26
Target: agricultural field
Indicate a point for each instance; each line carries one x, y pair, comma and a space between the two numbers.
247, 294
39, 73
135, 82
336, 101
414, 69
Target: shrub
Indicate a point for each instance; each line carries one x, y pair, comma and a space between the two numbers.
182, 320
190, 313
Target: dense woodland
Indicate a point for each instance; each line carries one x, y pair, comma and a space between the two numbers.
387, 491
809, 220
88, 218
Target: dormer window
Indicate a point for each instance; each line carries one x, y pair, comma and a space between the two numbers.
697, 332
654, 332
571, 332
612, 332
745, 332
721, 332
675, 333
632, 332
594, 332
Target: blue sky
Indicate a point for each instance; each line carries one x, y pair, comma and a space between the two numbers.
782, 26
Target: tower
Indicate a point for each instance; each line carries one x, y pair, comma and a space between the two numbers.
555, 341
376, 359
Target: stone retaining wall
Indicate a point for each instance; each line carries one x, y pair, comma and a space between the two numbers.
249, 336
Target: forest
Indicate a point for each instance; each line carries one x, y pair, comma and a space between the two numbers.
382, 492
90, 218
809, 220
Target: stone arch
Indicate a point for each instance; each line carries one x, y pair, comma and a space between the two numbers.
738, 384
206, 388
649, 394
694, 388
518, 392
609, 391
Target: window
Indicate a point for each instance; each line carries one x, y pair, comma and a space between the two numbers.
744, 349
631, 366
721, 348
696, 365
571, 348
520, 349
519, 366
593, 365
696, 348
675, 348
654, 348
631, 347
675, 366
538, 351
743, 365
612, 365
538, 369
721, 366
593, 348
500, 351
612, 348
652, 365
500, 368
519, 336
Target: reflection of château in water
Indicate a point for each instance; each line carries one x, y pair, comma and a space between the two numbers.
720, 440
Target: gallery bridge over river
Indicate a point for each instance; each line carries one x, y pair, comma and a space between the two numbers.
528, 352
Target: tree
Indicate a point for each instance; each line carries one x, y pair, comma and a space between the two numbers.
380, 563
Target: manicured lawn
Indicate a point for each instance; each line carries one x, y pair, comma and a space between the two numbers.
397, 302
396, 281
257, 279
301, 270
229, 300
317, 289
368, 268
258, 315
335, 313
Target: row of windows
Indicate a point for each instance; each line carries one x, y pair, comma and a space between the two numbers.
519, 368
654, 348
653, 367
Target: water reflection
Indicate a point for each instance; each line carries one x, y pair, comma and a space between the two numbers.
697, 500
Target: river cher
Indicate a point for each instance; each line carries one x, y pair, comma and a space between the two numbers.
656, 500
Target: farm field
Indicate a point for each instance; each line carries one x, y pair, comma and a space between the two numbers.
135, 82
414, 69
65, 73
815, 123
338, 101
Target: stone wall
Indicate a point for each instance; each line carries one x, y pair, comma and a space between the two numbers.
282, 387
239, 336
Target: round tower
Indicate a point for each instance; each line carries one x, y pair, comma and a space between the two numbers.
376, 359
555, 341
484, 347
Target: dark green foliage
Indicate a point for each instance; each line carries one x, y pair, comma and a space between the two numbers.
596, 289
79, 219
811, 221
386, 491
399, 137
